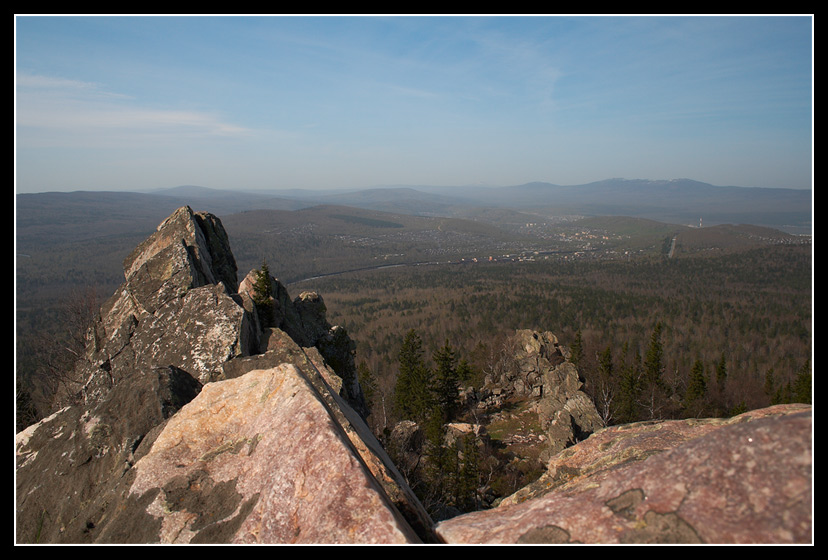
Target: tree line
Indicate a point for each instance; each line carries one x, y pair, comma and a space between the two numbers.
627, 386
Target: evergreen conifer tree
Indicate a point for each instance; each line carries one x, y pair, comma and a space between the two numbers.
629, 386
263, 296
469, 475
654, 359
576, 350
446, 389
413, 398
770, 384
696, 387
740, 408
439, 471
467, 373
721, 371
367, 382
654, 372
802, 391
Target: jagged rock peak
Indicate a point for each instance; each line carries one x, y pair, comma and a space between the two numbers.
176, 307
189, 422
187, 250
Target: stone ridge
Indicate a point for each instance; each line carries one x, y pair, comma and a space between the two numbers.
177, 338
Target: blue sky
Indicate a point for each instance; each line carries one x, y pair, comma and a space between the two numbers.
137, 103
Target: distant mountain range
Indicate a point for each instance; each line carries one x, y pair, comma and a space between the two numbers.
680, 201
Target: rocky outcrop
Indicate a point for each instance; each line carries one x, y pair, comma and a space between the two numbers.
282, 349
742, 480
190, 423
534, 367
174, 308
304, 321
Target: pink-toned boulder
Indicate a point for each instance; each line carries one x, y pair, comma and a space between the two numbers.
743, 480
259, 459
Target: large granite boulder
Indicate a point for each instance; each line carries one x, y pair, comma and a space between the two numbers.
255, 459
747, 479
283, 349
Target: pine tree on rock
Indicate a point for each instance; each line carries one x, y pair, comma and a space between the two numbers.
263, 296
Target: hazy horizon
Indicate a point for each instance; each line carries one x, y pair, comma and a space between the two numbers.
334, 189
260, 103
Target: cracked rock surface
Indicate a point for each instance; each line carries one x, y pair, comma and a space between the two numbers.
742, 480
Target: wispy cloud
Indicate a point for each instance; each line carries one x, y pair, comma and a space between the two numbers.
56, 110
60, 86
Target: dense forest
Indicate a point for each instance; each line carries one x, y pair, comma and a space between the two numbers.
707, 333
733, 328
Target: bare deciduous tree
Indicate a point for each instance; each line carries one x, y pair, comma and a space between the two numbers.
54, 354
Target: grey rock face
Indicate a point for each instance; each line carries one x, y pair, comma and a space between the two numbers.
174, 308
535, 367
69, 463
98, 470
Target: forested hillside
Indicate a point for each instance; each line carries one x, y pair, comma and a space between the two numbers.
734, 327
